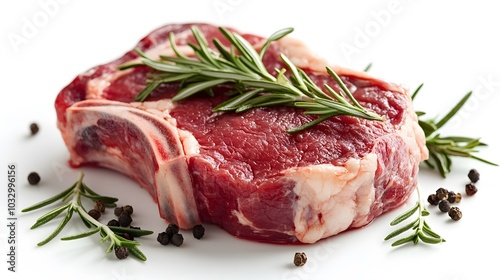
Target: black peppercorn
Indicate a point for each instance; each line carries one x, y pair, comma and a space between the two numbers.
198, 231
34, 128
163, 238
442, 193
114, 223
128, 236
433, 199
33, 178
300, 259
99, 206
470, 189
125, 220
455, 213
94, 214
444, 205
118, 211
473, 175
452, 197
121, 252
172, 229
128, 209
177, 239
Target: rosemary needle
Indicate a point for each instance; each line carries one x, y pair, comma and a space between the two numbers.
240, 66
421, 230
442, 149
74, 205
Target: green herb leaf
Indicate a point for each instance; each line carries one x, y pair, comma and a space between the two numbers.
240, 67
442, 149
421, 229
76, 192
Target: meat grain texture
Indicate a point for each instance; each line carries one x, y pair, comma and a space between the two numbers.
242, 171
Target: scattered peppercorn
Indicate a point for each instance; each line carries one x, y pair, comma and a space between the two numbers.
473, 175
470, 189
458, 197
128, 209
94, 214
300, 259
172, 229
455, 213
118, 211
99, 206
33, 178
433, 199
125, 220
163, 238
442, 193
34, 128
177, 239
444, 205
128, 236
114, 223
198, 231
452, 197
121, 252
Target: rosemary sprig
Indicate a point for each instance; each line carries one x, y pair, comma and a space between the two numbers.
422, 230
442, 149
76, 192
240, 66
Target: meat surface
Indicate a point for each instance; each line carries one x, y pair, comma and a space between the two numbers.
242, 171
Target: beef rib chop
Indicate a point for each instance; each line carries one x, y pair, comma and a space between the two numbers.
243, 171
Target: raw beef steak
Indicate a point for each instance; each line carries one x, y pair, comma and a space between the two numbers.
242, 171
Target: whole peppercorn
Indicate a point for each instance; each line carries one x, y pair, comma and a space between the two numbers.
300, 259
452, 197
34, 128
172, 229
128, 236
163, 238
458, 197
433, 199
128, 209
177, 239
455, 213
121, 252
114, 223
444, 205
442, 193
94, 214
470, 189
99, 206
473, 175
118, 211
33, 178
198, 231
125, 220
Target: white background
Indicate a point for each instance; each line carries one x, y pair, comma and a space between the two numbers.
451, 47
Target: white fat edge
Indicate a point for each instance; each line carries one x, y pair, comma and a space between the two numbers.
302, 56
96, 86
342, 194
